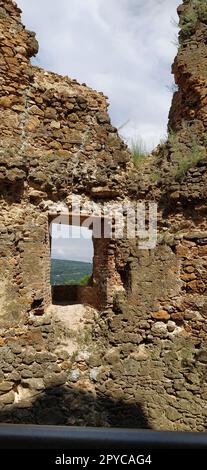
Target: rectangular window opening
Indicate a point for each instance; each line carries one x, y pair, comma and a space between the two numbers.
72, 255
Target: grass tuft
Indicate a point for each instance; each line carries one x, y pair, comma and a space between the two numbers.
192, 156
138, 150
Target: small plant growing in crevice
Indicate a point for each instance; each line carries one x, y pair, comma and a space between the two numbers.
201, 9
189, 23
155, 176
184, 158
196, 11
196, 155
138, 150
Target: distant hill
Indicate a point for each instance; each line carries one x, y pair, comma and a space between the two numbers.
65, 272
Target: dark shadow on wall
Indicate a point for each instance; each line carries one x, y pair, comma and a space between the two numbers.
60, 405
12, 191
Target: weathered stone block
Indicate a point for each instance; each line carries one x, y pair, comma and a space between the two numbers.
161, 315
5, 387
202, 356
7, 398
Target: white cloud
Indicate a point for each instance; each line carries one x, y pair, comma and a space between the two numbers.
72, 243
121, 47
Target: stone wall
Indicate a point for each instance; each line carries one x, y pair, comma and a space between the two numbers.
56, 140
140, 359
157, 333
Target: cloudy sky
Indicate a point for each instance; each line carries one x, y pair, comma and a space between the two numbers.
73, 243
121, 47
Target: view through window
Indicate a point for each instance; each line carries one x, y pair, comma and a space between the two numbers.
71, 255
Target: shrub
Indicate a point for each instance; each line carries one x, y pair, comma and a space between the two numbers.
197, 10
189, 24
84, 281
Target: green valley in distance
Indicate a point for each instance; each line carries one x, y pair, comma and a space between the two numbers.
67, 272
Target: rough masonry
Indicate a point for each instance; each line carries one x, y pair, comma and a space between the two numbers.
138, 356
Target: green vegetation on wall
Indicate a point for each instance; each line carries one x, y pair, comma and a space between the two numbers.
138, 150
196, 11
185, 157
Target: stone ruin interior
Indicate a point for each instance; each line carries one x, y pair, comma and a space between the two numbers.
132, 349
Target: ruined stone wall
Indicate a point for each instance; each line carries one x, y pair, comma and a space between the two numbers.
189, 68
141, 360
56, 139
157, 332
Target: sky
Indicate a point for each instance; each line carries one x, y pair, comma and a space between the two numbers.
124, 48
72, 243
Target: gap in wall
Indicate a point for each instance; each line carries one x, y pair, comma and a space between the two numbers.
72, 254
